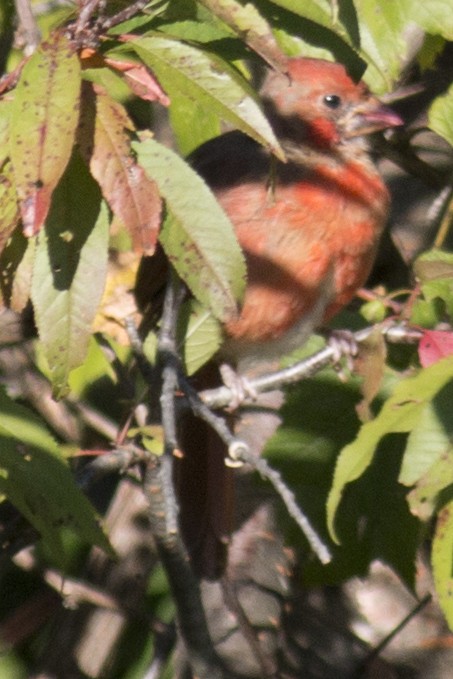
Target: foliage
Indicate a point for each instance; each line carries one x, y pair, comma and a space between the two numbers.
87, 191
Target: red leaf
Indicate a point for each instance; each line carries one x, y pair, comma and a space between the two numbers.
105, 143
34, 209
140, 80
9, 80
434, 345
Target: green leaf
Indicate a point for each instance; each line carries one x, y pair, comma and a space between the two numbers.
208, 81
430, 438
442, 561
322, 12
9, 210
18, 256
427, 314
35, 478
247, 22
426, 496
69, 272
399, 414
201, 335
318, 420
192, 123
384, 41
434, 269
433, 265
43, 120
440, 116
153, 9
195, 31
434, 16
95, 367
4, 129
198, 238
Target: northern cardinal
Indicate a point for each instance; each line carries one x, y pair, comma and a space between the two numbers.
309, 229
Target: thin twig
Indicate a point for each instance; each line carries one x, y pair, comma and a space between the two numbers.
261, 465
124, 15
164, 641
204, 412
391, 635
94, 419
74, 591
85, 15
112, 462
223, 396
400, 152
250, 633
28, 28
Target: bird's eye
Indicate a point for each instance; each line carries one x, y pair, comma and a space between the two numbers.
332, 101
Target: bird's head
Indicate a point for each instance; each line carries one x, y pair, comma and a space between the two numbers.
317, 102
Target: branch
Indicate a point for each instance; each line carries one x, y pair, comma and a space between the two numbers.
114, 461
28, 28
392, 634
223, 396
85, 15
74, 592
164, 642
184, 585
124, 15
163, 509
242, 454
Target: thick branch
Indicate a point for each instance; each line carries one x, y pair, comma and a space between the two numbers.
163, 509
183, 583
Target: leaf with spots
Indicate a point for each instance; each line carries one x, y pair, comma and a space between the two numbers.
9, 210
36, 479
69, 273
43, 120
208, 81
131, 195
197, 236
442, 561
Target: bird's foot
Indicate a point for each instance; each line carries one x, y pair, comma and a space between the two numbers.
240, 387
344, 346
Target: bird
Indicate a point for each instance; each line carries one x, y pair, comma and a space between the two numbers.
309, 228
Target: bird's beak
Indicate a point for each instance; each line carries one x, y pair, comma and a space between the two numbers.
370, 118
